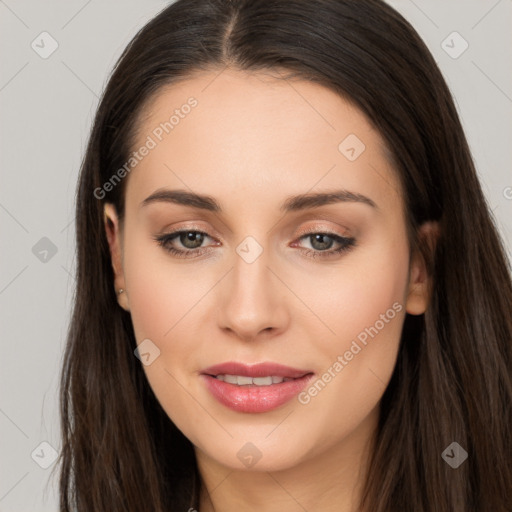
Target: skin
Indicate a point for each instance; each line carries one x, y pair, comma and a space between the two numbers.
252, 141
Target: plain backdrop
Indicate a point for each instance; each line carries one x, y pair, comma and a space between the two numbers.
47, 105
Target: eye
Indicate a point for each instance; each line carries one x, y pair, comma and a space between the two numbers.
322, 244
190, 239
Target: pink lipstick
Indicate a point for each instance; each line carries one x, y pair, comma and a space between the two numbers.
254, 388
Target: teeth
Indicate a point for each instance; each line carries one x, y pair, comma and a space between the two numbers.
241, 380
262, 381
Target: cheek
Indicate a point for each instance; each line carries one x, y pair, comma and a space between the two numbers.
372, 288
365, 307
353, 295
160, 291
162, 296
143, 279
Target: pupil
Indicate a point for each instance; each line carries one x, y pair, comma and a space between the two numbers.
191, 238
323, 245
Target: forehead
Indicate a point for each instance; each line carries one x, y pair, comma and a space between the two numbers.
258, 132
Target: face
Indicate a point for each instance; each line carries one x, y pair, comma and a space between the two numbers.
260, 271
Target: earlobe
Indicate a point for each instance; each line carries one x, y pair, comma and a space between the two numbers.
417, 297
420, 280
113, 234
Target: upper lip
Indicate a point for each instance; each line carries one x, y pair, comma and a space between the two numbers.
255, 370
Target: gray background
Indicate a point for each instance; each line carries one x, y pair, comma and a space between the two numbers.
46, 111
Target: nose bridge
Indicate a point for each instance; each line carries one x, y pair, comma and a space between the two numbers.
251, 272
252, 302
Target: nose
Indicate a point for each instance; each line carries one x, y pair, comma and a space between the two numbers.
253, 301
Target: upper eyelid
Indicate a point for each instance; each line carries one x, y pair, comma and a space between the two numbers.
345, 231
302, 234
328, 231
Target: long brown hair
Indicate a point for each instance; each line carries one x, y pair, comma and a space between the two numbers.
452, 380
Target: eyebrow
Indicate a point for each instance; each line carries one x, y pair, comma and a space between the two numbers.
293, 203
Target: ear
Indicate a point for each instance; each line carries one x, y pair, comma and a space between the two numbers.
113, 233
420, 281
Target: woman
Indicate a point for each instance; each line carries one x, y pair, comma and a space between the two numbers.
290, 291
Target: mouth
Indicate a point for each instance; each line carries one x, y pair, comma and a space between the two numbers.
254, 388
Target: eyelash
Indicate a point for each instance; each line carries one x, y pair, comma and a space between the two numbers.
347, 243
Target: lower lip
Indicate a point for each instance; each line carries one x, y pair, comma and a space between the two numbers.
254, 399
